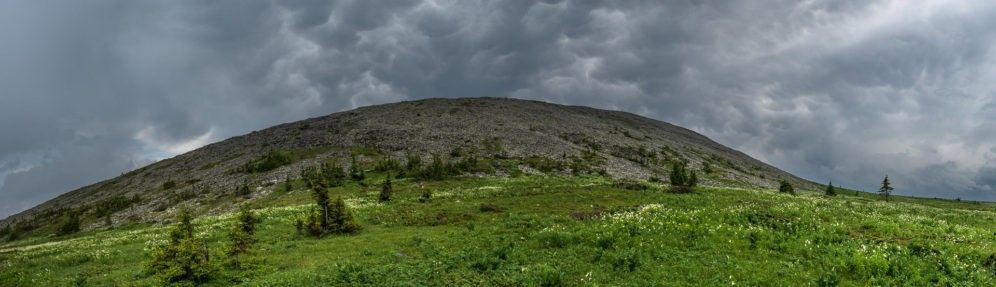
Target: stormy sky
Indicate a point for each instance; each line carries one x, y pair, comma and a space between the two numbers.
842, 90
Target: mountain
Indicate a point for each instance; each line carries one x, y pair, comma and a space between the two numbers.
509, 136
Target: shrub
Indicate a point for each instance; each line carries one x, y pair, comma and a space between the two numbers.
547, 276
682, 180
243, 190
355, 170
830, 190
785, 187
267, 162
436, 170
70, 224
184, 257
242, 235
385, 190
426, 196
169, 184
630, 185
328, 217
387, 163
490, 207
342, 221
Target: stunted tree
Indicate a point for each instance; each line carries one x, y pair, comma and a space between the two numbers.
355, 171
184, 257
328, 217
243, 189
385, 190
242, 235
288, 186
681, 179
785, 187
830, 190
70, 224
886, 188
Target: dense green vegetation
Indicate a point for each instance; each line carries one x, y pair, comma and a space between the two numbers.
536, 231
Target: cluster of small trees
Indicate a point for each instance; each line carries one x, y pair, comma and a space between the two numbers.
70, 224
682, 179
185, 257
327, 217
885, 190
785, 187
326, 174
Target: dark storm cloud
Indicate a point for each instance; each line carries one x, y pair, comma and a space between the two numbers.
842, 90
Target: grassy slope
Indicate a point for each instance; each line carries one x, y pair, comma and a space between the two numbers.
575, 231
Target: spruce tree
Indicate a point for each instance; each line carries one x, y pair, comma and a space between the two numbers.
321, 197
242, 235
785, 187
355, 171
288, 186
886, 188
184, 257
70, 224
341, 220
385, 190
426, 196
830, 190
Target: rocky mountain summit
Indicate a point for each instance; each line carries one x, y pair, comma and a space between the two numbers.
509, 137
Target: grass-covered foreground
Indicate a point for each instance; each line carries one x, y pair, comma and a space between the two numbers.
550, 231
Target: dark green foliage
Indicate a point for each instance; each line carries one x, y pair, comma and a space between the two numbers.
886, 188
269, 161
5, 231
169, 184
114, 204
490, 207
242, 235
387, 163
184, 257
70, 224
785, 187
630, 185
385, 190
436, 170
413, 163
243, 189
426, 196
341, 218
355, 170
830, 191
326, 174
543, 164
707, 167
682, 180
288, 185
328, 217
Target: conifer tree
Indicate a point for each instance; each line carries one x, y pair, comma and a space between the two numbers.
830, 190
341, 220
287, 184
886, 188
426, 196
385, 190
242, 235
184, 257
70, 224
321, 197
785, 187
355, 171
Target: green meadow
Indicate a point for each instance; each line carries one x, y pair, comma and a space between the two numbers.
557, 231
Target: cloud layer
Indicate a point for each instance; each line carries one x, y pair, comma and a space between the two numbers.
842, 90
